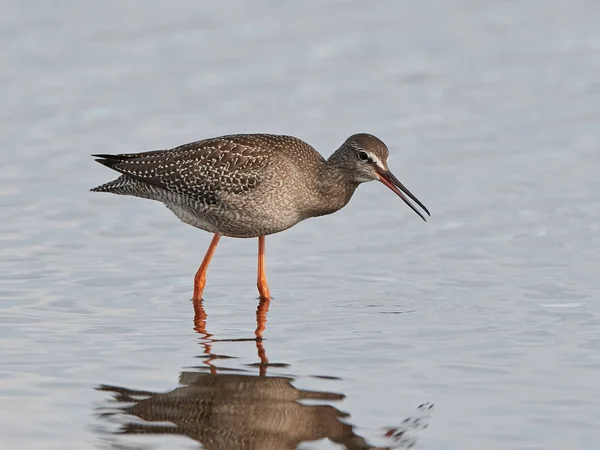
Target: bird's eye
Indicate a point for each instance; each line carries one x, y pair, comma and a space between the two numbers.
363, 156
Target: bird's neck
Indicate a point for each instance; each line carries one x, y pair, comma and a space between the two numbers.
333, 188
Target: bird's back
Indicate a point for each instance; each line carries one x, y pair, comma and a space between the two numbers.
219, 177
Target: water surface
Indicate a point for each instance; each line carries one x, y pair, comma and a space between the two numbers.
490, 311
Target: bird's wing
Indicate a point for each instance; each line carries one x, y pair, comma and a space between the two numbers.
201, 170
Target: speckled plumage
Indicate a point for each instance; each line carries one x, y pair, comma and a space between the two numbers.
244, 185
252, 185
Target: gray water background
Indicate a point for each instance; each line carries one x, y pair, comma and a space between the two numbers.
491, 310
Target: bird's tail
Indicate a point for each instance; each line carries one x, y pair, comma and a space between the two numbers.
125, 184
121, 185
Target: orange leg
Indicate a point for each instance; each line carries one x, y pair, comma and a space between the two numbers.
200, 278
261, 317
200, 317
264, 361
261, 283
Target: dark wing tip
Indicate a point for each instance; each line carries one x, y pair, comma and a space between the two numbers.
107, 156
110, 160
107, 162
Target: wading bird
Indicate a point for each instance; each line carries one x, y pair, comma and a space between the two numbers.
252, 185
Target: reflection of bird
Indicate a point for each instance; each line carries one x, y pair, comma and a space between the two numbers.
231, 412
252, 185
234, 411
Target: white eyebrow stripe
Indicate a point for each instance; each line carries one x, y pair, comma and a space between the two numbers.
377, 161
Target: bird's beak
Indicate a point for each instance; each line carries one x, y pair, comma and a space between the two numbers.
388, 178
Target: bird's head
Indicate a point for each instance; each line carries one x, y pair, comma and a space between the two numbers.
364, 158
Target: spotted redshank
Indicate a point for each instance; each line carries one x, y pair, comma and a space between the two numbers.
252, 185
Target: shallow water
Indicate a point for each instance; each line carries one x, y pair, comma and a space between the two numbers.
490, 312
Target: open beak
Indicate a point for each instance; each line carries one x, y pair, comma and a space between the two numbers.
388, 178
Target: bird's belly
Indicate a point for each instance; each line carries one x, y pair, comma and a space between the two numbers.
236, 219
192, 216
259, 221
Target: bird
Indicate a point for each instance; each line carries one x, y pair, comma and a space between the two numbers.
252, 185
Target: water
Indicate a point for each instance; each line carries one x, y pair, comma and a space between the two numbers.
490, 312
